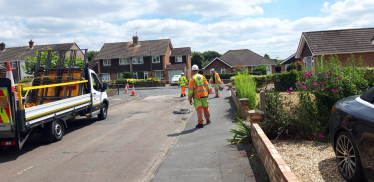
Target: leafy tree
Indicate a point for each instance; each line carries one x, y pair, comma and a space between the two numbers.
91, 54
210, 55
239, 68
267, 57
197, 58
260, 68
30, 64
291, 67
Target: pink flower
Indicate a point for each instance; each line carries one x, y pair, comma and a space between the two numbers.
320, 135
339, 78
295, 83
289, 92
320, 83
307, 74
334, 90
332, 68
298, 82
319, 123
315, 134
303, 87
307, 88
326, 75
290, 88
337, 67
322, 90
314, 84
330, 73
312, 71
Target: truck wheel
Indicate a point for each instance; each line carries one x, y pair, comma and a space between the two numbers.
58, 130
103, 112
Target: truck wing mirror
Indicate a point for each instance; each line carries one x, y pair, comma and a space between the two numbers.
105, 86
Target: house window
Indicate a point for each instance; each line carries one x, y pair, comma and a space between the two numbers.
223, 70
285, 67
13, 65
309, 63
124, 61
106, 62
119, 75
219, 70
155, 59
137, 60
145, 75
179, 59
105, 77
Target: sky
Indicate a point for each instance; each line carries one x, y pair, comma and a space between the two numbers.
272, 27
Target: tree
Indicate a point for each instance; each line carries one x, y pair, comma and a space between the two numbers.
239, 68
260, 68
30, 64
197, 58
91, 54
210, 55
267, 57
291, 67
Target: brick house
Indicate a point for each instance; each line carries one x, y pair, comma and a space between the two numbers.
244, 57
143, 59
288, 61
343, 43
17, 56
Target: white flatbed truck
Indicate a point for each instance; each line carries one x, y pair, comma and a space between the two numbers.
57, 94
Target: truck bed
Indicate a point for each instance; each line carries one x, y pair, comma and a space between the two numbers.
41, 113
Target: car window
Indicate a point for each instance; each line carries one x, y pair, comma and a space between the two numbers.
95, 82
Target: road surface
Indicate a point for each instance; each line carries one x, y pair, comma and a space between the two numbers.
128, 146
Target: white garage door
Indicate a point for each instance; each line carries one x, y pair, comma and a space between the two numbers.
105, 77
174, 72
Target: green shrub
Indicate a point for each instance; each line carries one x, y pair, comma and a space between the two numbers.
242, 133
260, 68
232, 79
255, 73
291, 67
262, 80
25, 80
298, 66
283, 81
246, 88
121, 81
154, 80
126, 75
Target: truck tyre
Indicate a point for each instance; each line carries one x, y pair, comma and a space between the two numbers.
103, 112
58, 130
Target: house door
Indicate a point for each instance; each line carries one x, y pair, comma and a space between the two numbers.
268, 70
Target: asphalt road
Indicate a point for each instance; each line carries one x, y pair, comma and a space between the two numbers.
128, 146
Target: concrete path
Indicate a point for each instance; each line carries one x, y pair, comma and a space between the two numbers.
203, 154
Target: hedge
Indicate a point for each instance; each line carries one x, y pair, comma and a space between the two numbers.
222, 75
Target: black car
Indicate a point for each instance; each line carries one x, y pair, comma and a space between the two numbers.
351, 128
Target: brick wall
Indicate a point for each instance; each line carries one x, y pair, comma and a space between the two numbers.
113, 76
217, 64
276, 167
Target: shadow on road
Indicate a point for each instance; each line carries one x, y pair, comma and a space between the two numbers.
34, 141
248, 151
183, 132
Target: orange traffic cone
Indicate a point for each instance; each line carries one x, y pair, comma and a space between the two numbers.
126, 91
9, 75
128, 85
133, 90
211, 90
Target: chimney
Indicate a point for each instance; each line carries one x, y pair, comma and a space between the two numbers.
31, 44
2, 46
135, 40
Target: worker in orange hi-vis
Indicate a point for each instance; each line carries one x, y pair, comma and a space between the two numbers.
198, 89
216, 80
182, 82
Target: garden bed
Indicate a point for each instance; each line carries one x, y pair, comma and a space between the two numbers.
309, 160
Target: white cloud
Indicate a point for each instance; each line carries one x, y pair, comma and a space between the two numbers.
91, 28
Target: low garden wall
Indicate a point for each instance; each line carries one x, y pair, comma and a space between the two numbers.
112, 93
276, 167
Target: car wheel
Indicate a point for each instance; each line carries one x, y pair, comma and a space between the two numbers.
348, 158
59, 130
103, 112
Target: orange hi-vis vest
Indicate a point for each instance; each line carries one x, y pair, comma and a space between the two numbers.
198, 87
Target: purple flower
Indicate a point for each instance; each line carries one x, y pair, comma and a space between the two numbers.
290, 88
320, 135
307, 74
319, 123
334, 90
332, 68
322, 90
314, 84
339, 78
330, 73
307, 88
303, 87
326, 75
315, 134
298, 82
320, 83
289, 92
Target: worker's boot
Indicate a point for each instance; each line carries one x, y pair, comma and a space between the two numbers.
208, 122
199, 126
181, 95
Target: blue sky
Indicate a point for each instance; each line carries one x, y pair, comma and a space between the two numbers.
273, 27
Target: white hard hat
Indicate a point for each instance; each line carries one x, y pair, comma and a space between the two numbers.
195, 68
212, 69
182, 73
